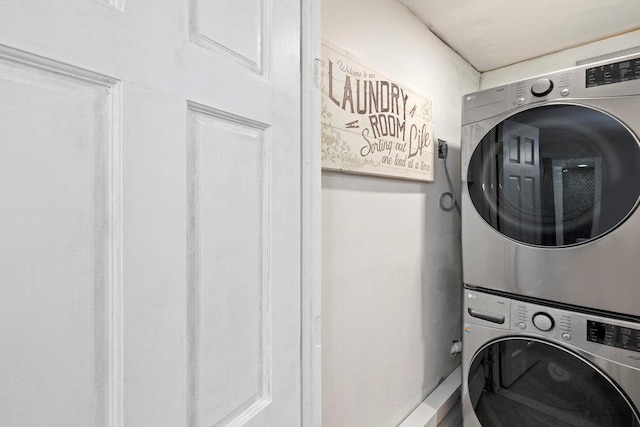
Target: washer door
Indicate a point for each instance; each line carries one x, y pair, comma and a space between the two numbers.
556, 175
527, 382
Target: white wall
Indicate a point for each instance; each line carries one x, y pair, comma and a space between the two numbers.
559, 60
391, 256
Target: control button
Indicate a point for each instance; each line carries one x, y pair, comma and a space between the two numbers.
521, 325
564, 92
542, 87
543, 321
566, 336
520, 101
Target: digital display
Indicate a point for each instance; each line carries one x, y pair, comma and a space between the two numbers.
613, 73
613, 336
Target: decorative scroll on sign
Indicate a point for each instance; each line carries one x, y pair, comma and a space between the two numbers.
371, 124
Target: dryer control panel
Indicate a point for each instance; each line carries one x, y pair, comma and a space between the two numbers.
604, 79
616, 72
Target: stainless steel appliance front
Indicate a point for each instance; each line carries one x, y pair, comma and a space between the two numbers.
550, 185
528, 364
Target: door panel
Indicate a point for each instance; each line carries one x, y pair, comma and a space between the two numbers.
150, 165
229, 284
215, 25
56, 180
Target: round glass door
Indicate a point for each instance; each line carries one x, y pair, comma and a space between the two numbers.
531, 383
555, 175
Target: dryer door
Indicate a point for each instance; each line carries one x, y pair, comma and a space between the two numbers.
556, 175
532, 383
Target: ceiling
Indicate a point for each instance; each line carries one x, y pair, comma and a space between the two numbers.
491, 34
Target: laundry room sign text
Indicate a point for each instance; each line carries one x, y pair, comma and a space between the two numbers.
371, 124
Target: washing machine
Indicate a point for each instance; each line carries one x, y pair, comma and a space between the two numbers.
527, 364
550, 186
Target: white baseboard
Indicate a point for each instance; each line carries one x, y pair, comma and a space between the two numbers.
436, 406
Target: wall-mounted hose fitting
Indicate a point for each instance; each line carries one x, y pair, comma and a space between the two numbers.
456, 348
443, 152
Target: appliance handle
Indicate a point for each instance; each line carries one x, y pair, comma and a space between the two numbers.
485, 315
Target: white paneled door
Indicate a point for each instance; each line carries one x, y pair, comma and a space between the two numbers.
149, 213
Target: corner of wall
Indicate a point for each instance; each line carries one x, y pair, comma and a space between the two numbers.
391, 271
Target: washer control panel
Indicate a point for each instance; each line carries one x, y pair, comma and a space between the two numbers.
613, 338
543, 320
613, 335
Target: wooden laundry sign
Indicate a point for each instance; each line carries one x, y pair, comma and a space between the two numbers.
371, 124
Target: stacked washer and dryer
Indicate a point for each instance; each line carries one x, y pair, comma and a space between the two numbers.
551, 249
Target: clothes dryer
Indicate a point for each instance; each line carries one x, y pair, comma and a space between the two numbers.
550, 186
530, 365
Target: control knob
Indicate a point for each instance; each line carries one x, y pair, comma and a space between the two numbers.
542, 87
543, 321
